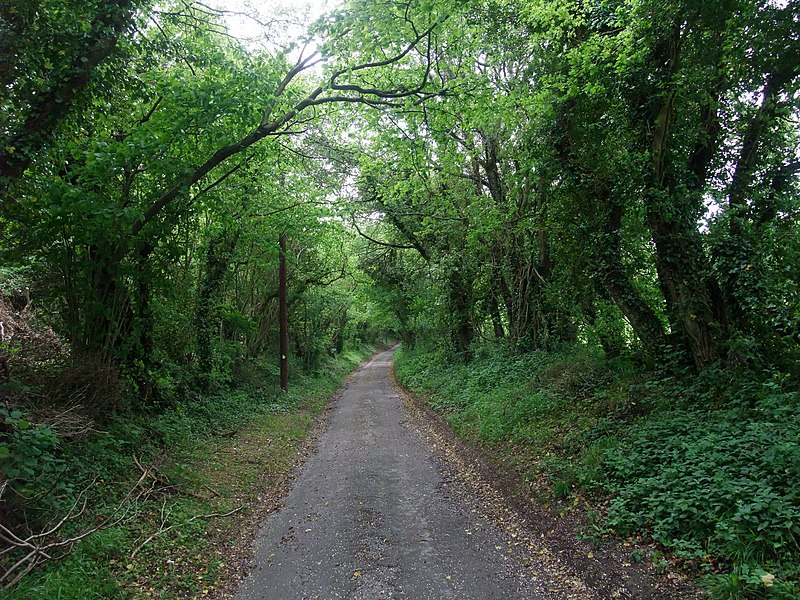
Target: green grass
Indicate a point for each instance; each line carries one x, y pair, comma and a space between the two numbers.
220, 452
707, 466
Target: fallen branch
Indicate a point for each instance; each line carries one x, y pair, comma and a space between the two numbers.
47, 544
212, 490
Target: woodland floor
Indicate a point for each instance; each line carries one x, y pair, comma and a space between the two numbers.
390, 504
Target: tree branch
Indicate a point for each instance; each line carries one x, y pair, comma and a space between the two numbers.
269, 128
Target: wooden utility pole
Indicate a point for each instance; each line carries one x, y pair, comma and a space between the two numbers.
283, 315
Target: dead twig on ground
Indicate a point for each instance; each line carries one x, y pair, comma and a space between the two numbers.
163, 529
49, 544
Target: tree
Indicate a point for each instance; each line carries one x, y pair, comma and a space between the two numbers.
49, 54
594, 143
128, 181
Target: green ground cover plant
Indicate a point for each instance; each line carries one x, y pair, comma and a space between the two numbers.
709, 472
212, 455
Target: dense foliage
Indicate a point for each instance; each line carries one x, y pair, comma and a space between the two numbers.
594, 174
149, 164
566, 199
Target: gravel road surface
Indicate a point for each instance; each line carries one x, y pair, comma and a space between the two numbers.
374, 514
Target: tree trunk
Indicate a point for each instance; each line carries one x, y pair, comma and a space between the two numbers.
683, 278
672, 214
497, 320
106, 315
644, 321
460, 326
220, 251
283, 316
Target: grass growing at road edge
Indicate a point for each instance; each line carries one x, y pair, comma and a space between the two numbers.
232, 449
707, 466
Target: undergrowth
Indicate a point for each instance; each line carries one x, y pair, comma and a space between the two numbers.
210, 450
708, 467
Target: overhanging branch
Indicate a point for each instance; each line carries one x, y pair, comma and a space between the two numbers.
380, 243
369, 96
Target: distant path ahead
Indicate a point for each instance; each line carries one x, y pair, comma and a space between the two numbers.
374, 515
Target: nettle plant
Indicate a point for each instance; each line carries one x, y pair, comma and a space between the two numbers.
29, 454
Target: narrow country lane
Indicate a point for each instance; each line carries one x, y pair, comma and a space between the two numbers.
374, 515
